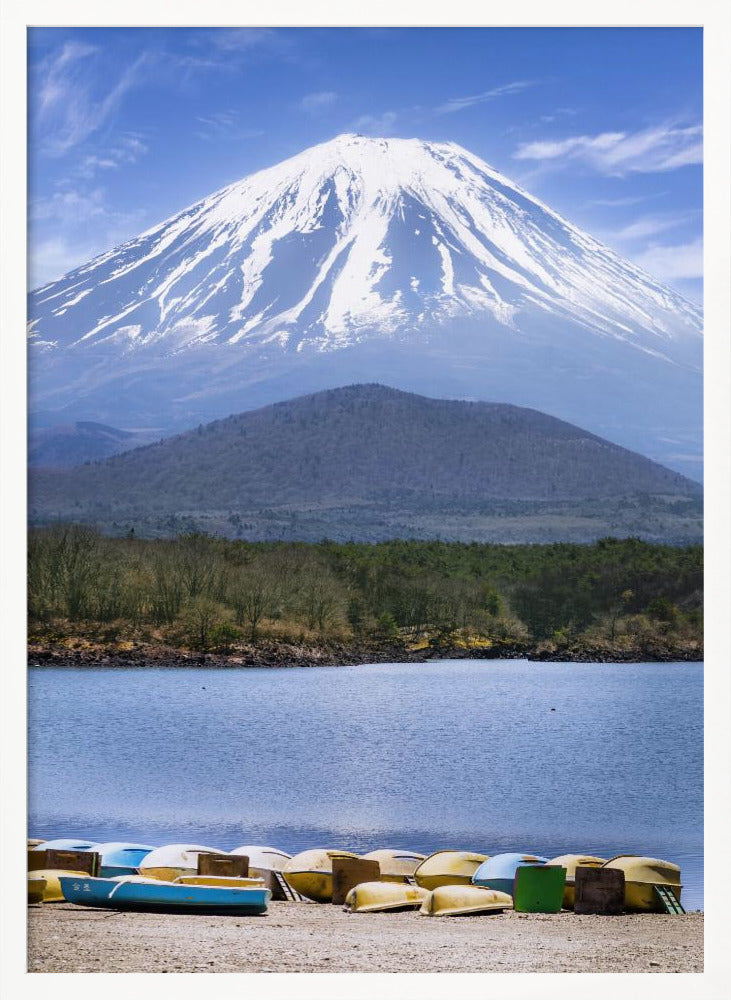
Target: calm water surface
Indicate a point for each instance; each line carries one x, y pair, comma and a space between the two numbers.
487, 755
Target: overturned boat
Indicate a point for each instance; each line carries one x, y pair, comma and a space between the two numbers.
52, 892
36, 888
262, 859
376, 897
135, 892
448, 868
395, 865
498, 872
310, 873
645, 879
121, 858
571, 862
168, 862
63, 844
462, 900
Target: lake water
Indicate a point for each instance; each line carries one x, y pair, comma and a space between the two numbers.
497, 755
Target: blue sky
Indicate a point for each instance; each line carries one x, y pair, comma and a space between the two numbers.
129, 125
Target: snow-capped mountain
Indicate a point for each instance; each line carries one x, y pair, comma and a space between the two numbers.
391, 260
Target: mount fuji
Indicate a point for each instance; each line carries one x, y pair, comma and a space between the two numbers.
410, 263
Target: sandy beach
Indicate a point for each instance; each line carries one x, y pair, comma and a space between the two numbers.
301, 937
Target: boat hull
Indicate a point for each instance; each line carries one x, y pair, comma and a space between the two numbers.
396, 865
153, 896
52, 892
310, 873
448, 868
498, 872
641, 875
462, 900
36, 889
376, 897
571, 862
173, 860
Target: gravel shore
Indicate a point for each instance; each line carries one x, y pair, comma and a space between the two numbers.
301, 937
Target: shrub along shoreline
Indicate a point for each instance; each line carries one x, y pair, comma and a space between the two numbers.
203, 601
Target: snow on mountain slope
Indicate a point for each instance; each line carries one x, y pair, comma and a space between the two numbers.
392, 260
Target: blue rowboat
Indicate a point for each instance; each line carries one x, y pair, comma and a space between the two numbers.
134, 892
498, 872
120, 858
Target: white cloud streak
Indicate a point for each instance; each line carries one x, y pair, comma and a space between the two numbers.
126, 151
71, 105
73, 226
615, 154
651, 225
313, 104
673, 262
460, 103
382, 124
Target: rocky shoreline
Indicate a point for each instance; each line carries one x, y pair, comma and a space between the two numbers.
277, 654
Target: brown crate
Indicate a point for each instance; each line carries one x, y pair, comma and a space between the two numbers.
73, 861
229, 865
37, 860
599, 890
349, 872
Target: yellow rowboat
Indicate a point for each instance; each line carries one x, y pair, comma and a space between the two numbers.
571, 862
263, 859
448, 868
641, 875
227, 881
52, 890
311, 873
461, 900
36, 889
35, 842
173, 860
396, 866
375, 897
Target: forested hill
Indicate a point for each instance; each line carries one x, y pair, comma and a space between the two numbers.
365, 448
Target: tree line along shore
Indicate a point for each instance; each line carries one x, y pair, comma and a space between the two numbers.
198, 599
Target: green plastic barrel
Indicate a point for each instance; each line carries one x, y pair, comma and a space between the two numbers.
539, 888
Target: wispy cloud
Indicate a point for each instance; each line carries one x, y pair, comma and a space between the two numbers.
627, 201
674, 262
126, 151
71, 227
249, 40
69, 206
75, 96
460, 103
651, 150
380, 124
652, 225
313, 104
223, 125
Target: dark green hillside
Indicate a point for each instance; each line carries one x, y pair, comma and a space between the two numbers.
370, 462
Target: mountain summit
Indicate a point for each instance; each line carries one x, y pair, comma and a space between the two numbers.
366, 259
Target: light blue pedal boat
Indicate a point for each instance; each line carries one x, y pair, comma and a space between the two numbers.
134, 892
120, 858
498, 872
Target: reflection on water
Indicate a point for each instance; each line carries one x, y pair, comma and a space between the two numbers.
491, 755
